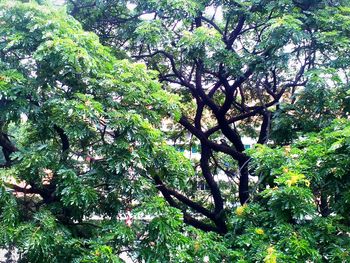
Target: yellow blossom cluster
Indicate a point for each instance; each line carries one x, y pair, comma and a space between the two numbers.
271, 256
197, 246
240, 210
259, 231
295, 178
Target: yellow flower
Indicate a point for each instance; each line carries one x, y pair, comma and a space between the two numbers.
259, 231
294, 178
271, 256
270, 250
307, 183
197, 245
287, 150
240, 210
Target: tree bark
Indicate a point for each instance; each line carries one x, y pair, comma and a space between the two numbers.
243, 189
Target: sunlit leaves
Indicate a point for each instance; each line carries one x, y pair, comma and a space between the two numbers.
85, 125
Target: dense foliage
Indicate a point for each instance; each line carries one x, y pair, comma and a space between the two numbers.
239, 66
76, 135
87, 175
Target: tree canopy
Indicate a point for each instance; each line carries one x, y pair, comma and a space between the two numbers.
84, 147
239, 65
76, 133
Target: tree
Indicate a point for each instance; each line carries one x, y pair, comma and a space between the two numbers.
309, 189
235, 66
82, 151
79, 138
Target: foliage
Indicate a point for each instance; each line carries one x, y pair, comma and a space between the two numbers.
266, 69
308, 194
87, 145
87, 175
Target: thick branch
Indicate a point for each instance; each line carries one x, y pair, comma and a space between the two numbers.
234, 119
265, 127
204, 139
188, 219
63, 137
19, 189
234, 34
200, 91
214, 188
7, 147
195, 206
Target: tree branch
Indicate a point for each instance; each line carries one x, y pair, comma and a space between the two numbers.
188, 219
7, 147
204, 139
234, 34
195, 206
63, 137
